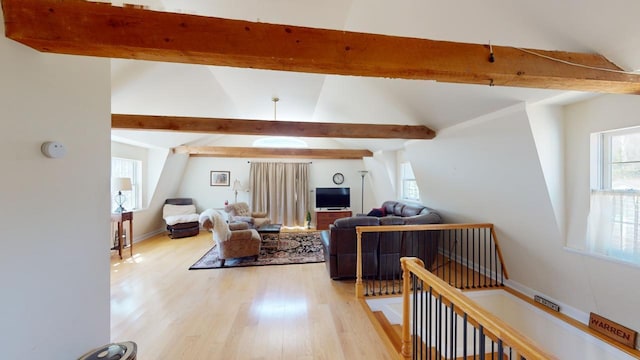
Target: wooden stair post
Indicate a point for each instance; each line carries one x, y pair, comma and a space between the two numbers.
359, 285
406, 289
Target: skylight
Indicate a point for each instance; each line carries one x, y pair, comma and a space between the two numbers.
280, 142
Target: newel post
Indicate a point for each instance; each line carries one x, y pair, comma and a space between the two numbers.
406, 288
359, 285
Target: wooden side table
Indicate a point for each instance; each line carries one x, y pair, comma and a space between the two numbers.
120, 218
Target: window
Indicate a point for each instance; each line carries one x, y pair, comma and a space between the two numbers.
130, 168
409, 188
614, 218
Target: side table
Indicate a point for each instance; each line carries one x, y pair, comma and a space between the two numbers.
120, 218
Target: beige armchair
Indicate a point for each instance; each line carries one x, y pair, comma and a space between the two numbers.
241, 212
233, 240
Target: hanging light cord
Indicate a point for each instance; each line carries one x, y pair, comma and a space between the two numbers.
574, 64
492, 59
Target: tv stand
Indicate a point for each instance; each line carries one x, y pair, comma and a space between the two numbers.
326, 217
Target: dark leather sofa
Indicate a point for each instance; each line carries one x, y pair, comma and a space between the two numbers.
381, 251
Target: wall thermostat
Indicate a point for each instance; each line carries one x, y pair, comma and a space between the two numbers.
53, 149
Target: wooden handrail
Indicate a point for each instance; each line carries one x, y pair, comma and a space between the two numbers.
387, 228
490, 322
495, 240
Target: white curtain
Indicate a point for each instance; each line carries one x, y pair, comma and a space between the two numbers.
282, 190
614, 226
600, 223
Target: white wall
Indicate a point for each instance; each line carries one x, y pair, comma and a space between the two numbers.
488, 170
195, 182
613, 285
54, 263
157, 160
547, 127
162, 174
149, 222
380, 182
148, 218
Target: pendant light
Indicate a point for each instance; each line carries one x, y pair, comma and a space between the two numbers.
275, 100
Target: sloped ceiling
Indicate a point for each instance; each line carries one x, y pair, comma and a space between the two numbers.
140, 87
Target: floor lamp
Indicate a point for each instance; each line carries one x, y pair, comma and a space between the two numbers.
237, 187
362, 174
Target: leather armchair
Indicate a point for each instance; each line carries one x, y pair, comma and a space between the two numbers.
233, 240
181, 217
241, 212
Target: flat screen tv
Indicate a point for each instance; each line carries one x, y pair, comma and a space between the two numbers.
333, 198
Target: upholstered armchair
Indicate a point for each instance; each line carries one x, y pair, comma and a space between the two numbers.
233, 240
181, 218
241, 212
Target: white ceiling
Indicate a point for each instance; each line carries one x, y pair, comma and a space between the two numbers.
140, 87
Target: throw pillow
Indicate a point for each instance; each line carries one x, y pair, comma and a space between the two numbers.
242, 209
377, 212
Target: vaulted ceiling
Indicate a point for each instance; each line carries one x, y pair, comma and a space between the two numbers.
160, 88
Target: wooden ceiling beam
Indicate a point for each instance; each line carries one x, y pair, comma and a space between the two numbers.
250, 152
269, 127
95, 29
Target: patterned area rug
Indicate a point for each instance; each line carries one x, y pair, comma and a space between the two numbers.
293, 248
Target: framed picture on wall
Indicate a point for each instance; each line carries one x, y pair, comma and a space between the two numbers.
220, 178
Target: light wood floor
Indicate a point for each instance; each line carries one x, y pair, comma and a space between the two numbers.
269, 312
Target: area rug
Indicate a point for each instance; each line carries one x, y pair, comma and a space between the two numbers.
293, 248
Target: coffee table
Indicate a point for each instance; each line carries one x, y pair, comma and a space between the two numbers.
270, 229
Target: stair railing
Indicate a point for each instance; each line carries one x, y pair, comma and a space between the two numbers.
467, 256
439, 321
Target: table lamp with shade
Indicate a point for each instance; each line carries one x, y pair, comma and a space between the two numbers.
121, 184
